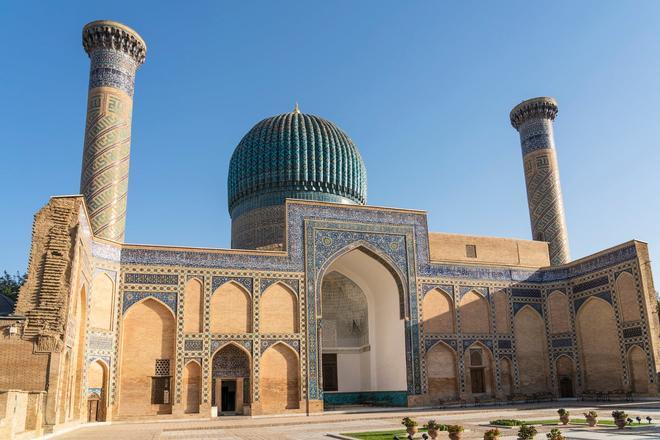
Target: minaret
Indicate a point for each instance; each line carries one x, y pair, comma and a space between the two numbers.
533, 120
115, 52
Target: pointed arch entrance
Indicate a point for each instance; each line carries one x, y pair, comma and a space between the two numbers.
362, 314
565, 376
97, 386
230, 383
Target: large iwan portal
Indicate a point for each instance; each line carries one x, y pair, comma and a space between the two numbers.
362, 331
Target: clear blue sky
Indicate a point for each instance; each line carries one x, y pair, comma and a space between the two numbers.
423, 88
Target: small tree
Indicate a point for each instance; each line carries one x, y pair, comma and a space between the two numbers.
10, 284
555, 434
527, 432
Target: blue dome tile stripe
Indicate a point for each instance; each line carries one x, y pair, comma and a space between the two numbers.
294, 154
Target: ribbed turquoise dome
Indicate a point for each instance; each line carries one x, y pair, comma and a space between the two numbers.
295, 155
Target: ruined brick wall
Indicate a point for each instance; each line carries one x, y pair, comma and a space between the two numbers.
44, 298
34, 358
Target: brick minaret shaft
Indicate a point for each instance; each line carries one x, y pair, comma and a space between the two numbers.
533, 120
115, 52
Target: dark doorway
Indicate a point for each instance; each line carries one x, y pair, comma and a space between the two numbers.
93, 409
477, 380
566, 387
330, 372
228, 396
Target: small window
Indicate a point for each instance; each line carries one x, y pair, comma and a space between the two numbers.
471, 250
475, 357
162, 368
160, 390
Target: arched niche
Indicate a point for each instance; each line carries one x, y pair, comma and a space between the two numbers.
638, 367
279, 384
599, 346
360, 368
565, 376
438, 312
559, 313
78, 393
231, 382
501, 304
479, 371
627, 295
65, 388
231, 309
101, 307
475, 313
345, 313
278, 308
441, 373
193, 306
192, 381
97, 385
506, 376
531, 351
147, 359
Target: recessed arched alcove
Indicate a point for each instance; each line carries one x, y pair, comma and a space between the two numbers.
362, 330
147, 357
599, 346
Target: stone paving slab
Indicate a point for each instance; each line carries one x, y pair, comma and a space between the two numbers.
316, 427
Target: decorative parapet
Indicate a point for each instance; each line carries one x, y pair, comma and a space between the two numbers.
116, 36
536, 108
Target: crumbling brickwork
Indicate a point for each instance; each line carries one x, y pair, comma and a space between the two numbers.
44, 297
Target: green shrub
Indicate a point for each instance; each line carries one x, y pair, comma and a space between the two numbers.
408, 422
454, 429
492, 434
527, 432
562, 412
432, 424
618, 414
555, 434
506, 422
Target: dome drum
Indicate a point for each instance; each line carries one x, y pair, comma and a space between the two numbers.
292, 155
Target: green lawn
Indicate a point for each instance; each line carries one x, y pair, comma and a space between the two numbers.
379, 435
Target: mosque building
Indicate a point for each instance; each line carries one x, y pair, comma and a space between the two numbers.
322, 302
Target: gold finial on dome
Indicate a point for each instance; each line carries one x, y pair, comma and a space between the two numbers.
296, 109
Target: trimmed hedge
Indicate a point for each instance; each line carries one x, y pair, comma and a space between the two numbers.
507, 422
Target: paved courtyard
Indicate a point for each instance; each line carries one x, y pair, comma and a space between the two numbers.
319, 426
